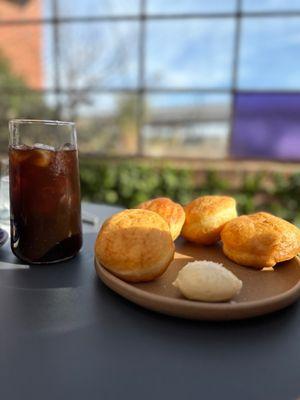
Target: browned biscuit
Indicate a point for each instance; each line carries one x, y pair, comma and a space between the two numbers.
173, 213
260, 240
135, 245
205, 217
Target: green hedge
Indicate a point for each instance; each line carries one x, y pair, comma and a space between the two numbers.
129, 183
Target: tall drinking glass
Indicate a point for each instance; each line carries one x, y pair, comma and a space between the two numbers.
44, 191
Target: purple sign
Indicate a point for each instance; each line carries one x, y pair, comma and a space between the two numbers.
266, 126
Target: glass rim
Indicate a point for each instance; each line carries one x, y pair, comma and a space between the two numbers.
20, 121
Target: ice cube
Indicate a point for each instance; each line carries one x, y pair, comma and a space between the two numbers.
41, 146
67, 146
21, 147
41, 158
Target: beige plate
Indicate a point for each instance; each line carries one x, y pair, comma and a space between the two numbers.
263, 291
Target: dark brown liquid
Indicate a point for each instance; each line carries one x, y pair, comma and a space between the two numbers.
45, 204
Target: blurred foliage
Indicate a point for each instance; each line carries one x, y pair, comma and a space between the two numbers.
129, 183
18, 101
114, 134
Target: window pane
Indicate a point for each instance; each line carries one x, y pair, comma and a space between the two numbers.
48, 56
266, 126
190, 6
187, 125
26, 105
27, 52
69, 8
270, 53
270, 5
106, 124
189, 53
98, 54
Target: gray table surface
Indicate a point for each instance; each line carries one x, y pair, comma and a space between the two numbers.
64, 335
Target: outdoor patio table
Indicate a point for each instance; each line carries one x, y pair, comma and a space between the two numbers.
64, 335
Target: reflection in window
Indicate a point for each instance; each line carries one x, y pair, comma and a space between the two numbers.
190, 53
270, 53
190, 6
96, 7
270, 5
107, 124
96, 55
187, 125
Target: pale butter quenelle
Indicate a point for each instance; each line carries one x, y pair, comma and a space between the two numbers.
207, 281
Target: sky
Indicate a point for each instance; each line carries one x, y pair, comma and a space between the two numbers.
179, 54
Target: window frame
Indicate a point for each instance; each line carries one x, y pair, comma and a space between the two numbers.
142, 89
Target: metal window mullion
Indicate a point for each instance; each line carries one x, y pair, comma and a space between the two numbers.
153, 91
56, 57
141, 78
119, 18
235, 68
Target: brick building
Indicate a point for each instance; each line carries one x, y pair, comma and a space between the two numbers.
22, 44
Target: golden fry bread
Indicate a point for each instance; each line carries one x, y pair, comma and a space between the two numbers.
205, 217
135, 245
260, 240
172, 213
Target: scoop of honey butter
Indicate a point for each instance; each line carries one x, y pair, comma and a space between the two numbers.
207, 281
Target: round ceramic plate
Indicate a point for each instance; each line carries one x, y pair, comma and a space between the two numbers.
263, 291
